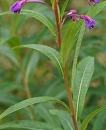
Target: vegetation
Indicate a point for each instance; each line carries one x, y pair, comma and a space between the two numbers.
52, 65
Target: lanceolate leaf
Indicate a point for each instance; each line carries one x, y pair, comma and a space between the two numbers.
49, 52
98, 124
67, 42
63, 8
39, 17
29, 102
90, 116
64, 118
96, 9
29, 125
77, 50
81, 83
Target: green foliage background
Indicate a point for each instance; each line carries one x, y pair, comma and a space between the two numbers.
21, 66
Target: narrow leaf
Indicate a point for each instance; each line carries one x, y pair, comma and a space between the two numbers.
81, 83
64, 118
90, 116
77, 50
96, 9
63, 8
100, 120
29, 125
67, 42
29, 102
49, 52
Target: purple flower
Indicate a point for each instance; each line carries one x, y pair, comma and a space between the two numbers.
72, 14
17, 6
88, 21
94, 1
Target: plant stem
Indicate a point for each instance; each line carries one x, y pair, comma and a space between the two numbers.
55, 8
70, 98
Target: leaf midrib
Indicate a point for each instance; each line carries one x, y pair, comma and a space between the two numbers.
80, 90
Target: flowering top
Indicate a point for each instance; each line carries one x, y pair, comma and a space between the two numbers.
94, 1
74, 16
88, 21
17, 6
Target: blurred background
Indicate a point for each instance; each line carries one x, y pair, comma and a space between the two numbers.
20, 68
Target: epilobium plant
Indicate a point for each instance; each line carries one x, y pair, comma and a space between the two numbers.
81, 73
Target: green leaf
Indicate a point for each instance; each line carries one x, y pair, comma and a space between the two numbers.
40, 17
64, 118
77, 50
100, 120
96, 9
9, 53
67, 42
90, 116
49, 52
81, 83
29, 102
29, 125
63, 8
